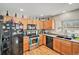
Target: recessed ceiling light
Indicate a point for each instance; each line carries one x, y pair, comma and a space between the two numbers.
69, 3
41, 15
21, 9
64, 11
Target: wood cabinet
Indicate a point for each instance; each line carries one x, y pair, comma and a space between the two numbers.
66, 47
53, 24
57, 44
29, 21
34, 22
44, 39
48, 24
63, 46
41, 39
25, 44
75, 48
24, 22
7, 18
40, 24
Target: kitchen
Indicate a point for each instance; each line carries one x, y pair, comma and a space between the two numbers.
53, 32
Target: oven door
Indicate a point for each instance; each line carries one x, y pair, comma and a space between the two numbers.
34, 41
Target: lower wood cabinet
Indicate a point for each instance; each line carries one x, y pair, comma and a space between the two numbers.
57, 44
62, 46
25, 44
44, 39
75, 48
40, 39
66, 47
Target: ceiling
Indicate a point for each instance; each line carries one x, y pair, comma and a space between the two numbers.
36, 9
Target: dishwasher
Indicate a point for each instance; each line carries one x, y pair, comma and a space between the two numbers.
49, 42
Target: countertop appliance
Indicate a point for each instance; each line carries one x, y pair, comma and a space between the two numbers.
31, 26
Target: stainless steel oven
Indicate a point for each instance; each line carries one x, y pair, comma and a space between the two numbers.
34, 42
32, 32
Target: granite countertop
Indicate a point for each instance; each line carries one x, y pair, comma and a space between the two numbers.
51, 35
73, 40
55, 35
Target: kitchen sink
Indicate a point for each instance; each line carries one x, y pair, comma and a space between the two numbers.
60, 36
68, 38
65, 37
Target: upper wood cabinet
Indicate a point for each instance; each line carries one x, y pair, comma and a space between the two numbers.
53, 24
34, 21
48, 24
75, 48
7, 18
40, 24
24, 22
29, 21
16, 20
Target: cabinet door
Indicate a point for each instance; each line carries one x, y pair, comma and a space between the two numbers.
48, 24
30, 21
7, 18
53, 24
45, 24
57, 44
37, 24
40, 23
25, 44
66, 47
44, 39
34, 21
24, 22
40, 39
75, 48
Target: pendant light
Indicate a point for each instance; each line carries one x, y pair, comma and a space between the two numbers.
15, 14
22, 16
7, 14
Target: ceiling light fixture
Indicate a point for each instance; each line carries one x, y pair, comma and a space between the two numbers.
21, 10
69, 3
64, 11
41, 15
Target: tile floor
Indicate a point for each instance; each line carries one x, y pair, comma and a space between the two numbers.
42, 50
